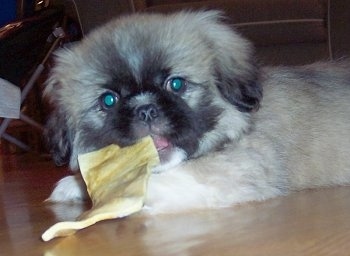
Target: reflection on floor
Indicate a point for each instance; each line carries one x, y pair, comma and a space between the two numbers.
313, 222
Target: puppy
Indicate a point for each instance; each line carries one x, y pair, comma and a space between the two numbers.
191, 82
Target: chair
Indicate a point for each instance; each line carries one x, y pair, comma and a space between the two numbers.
11, 97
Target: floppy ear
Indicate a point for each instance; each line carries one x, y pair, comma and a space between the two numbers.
236, 70
243, 91
58, 138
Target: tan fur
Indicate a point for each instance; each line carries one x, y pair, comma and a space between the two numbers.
296, 137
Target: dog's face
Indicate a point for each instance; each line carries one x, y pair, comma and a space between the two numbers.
185, 79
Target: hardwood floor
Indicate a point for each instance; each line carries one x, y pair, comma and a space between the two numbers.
314, 222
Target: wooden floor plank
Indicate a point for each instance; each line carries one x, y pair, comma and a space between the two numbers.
313, 222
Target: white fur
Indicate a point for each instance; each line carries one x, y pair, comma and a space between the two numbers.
176, 190
69, 189
177, 156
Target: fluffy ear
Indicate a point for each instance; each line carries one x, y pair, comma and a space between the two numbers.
235, 66
245, 92
58, 138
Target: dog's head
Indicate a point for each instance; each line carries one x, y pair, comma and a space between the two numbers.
185, 79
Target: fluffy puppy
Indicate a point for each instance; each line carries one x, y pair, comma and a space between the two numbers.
191, 83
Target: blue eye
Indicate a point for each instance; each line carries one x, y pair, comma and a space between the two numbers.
176, 84
108, 100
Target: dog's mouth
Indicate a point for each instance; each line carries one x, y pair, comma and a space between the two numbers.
161, 143
164, 147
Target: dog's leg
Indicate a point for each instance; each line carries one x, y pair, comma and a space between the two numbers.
220, 179
175, 191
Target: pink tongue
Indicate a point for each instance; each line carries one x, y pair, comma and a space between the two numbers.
160, 142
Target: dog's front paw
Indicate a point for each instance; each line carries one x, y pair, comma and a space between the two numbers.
176, 191
69, 189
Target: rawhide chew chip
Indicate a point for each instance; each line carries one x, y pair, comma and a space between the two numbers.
116, 180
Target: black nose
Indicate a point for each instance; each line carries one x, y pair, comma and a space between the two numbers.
147, 112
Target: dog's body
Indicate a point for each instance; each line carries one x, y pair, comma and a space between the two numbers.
191, 83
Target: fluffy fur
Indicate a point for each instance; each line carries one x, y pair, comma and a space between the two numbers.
191, 82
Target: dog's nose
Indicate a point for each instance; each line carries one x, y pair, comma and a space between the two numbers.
147, 113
